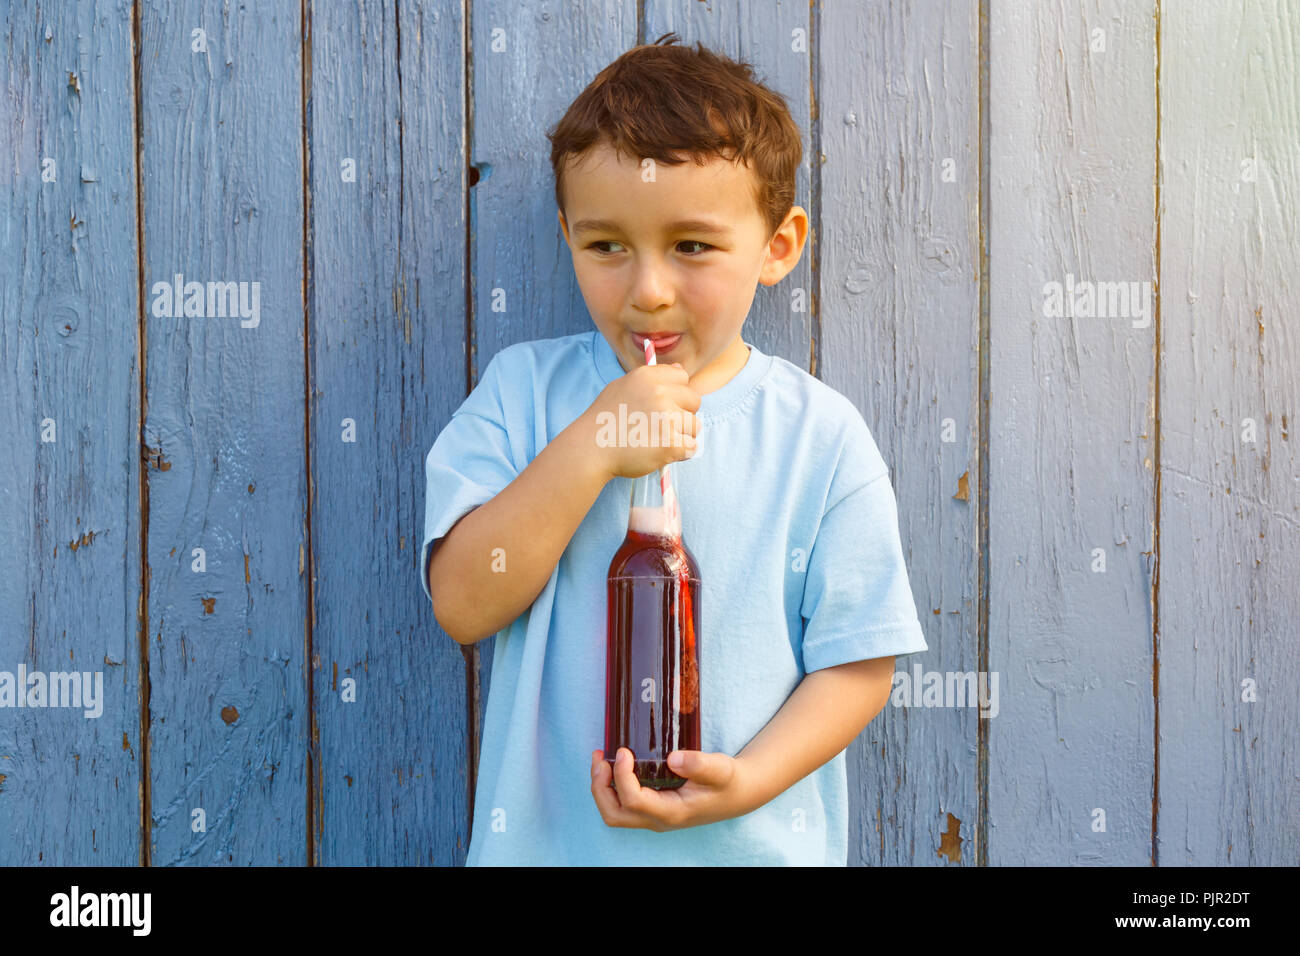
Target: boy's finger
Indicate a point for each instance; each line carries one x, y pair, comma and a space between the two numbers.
604, 795
711, 769
625, 781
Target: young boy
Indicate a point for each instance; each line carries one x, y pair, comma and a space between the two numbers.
674, 179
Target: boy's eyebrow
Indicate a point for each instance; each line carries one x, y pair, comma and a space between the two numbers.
682, 225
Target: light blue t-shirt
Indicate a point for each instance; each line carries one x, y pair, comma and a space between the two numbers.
789, 512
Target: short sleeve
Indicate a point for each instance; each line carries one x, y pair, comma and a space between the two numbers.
469, 463
857, 601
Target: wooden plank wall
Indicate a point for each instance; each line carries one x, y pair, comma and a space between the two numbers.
899, 325
70, 468
1229, 519
1071, 436
222, 512
387, 293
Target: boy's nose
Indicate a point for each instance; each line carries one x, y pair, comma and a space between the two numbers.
651, 289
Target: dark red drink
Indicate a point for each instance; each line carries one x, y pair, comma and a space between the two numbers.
652, 672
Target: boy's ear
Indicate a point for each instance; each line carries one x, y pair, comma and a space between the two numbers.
785, 246
564, 226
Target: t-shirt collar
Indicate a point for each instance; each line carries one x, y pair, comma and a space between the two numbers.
713, 405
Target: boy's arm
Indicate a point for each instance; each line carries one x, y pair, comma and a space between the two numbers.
532, 520
828, 709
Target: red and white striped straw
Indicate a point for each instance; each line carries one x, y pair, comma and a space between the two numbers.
665, 482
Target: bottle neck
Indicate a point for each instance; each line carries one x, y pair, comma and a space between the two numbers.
650, 513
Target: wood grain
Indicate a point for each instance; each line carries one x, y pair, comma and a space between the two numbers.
899, 317
221, 172
1072, 160
69, 423
1229, 785
387, 333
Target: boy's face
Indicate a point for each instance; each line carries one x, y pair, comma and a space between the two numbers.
643, 268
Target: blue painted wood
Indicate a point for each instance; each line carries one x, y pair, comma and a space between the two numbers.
222, 173
1072, 157
1229, 786
387, 337
898, 96
70, 506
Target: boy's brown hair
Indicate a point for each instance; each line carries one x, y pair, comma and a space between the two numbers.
659, 100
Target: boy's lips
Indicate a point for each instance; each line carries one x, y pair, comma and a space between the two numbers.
663, 341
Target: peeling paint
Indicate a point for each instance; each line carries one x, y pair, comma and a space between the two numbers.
154, 458
963, 487
85, 539
950, 841
229, 714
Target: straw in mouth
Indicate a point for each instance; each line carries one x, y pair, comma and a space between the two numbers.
665, 482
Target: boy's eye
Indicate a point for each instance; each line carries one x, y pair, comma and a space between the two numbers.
685, 242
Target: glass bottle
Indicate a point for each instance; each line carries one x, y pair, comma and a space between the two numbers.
652, 663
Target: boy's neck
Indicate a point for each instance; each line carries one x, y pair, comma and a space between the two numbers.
722, 369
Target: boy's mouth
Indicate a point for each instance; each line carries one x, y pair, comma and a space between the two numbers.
663, 341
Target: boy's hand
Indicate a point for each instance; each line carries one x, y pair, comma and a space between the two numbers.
715, 789
647, 389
